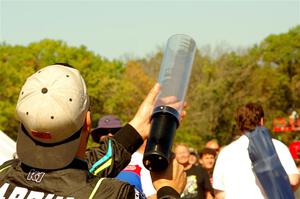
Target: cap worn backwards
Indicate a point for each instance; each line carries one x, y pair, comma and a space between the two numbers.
51, 108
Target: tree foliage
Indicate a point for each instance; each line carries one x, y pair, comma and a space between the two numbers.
268, 73
110, 89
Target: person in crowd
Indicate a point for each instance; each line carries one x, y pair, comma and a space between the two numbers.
294, 121
207, 160
213, 144
54, 116
294, 148
108, 125
233, 176
134, 173
194, 157
198, 185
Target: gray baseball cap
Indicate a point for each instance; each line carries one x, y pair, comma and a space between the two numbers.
51, 108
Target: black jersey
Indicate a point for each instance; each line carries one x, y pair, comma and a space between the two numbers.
20, 181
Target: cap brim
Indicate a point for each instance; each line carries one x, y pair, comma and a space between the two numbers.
45, 157
98, 132
103, 131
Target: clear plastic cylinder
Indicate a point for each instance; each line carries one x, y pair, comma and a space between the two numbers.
175, 70
174, 77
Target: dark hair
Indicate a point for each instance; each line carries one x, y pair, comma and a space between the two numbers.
208, 151
194, 153
248, 117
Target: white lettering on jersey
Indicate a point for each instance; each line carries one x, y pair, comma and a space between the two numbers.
18, 193
3, 190
21, 192
49, 196
35, 176
35, 195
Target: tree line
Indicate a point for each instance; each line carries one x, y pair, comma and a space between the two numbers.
267, 73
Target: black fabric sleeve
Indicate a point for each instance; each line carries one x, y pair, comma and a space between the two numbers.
167, 193
122, 145
112, 188
129, 138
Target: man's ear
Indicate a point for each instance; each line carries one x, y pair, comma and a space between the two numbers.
84, 136
261, 121
88, 122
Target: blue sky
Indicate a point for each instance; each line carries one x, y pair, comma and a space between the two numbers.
115, 29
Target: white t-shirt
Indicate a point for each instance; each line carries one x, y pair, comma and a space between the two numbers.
147, 186
233, 171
